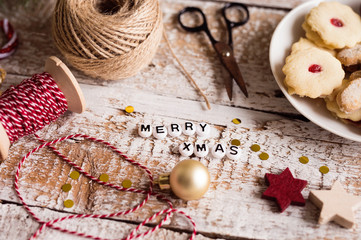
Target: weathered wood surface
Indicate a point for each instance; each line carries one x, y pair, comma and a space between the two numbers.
232, 208
269, 3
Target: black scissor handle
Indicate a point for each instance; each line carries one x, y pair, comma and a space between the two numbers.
197, 28
245, 18
201, 27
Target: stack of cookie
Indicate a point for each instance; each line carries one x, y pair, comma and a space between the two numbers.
315, 67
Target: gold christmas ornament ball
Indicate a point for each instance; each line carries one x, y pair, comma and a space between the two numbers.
189, 180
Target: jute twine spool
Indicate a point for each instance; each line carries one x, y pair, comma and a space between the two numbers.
110, 39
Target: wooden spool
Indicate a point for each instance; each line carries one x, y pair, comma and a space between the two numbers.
66, 83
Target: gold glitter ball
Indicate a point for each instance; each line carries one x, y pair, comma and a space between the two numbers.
189, 180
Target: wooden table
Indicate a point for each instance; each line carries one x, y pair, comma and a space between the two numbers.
160, 94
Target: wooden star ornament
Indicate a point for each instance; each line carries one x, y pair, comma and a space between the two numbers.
336, 205
285, 189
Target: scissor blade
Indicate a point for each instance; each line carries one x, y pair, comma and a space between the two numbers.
225, 53
228, 82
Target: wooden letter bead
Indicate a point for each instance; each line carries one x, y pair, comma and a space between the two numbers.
160, 132
233, 153
145, 130
201, 149
203, 130
186, 149
218, 151
174, 130
189, 128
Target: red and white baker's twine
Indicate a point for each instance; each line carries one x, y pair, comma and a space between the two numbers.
11, 37
148, 193
35, 103
31, 105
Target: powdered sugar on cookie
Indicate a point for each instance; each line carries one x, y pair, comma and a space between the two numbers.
349, 99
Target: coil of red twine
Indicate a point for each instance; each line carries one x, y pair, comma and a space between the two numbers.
30, 106
11, 37
37, 101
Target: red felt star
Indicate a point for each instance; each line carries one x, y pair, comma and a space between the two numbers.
285, 189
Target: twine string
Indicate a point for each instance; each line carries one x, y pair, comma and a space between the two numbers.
114, 43
51, 224
186, 73
32, 105
108, 44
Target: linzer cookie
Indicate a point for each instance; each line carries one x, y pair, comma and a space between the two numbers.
333, 25
312, 73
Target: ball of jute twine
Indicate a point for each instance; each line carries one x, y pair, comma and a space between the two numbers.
110, 39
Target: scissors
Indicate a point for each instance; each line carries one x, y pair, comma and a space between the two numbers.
224, 50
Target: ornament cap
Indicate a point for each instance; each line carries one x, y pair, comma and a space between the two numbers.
163, 181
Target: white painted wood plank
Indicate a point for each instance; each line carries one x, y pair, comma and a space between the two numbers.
17, 224
235, 186
232, 208
269, 3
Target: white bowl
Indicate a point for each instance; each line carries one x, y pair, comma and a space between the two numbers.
288, 31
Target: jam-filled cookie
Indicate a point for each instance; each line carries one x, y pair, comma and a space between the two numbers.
312, 73
332, 105
304, 43
314, 37
334, 24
